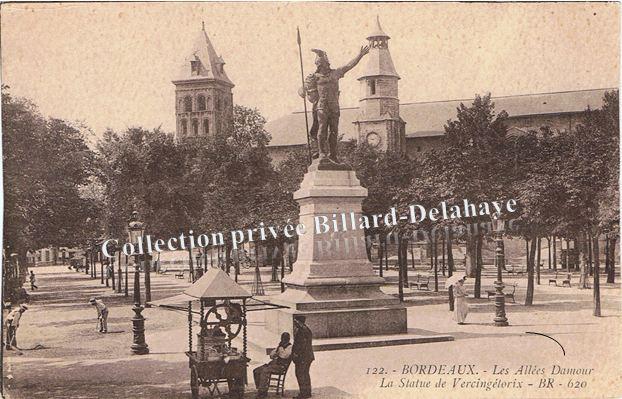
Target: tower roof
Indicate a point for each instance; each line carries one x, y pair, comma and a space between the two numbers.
208, 64
379, 62
378, 32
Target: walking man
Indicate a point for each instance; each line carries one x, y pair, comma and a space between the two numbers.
302, 356
102, 314
33, 280
12, 323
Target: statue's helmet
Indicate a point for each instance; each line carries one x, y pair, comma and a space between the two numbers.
321, 58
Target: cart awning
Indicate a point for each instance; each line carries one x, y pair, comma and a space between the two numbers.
216, 284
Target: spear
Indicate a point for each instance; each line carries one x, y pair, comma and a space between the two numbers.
304, 98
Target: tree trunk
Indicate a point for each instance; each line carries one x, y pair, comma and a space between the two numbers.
380, 255
611, 276
590, 253
477, 289
607, 254
386, 255
443, 248
282, 257
404, 264
412, 254
450, 267
530, 268
435, 257
228, 259
275, 264
538, 262
554, 252
400, 276
471, 256
596, 278
191, 265
548, 241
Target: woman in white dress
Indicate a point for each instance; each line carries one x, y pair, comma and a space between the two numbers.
461, 308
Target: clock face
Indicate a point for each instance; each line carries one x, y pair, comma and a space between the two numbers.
373, 139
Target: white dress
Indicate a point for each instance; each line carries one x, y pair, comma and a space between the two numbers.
461, 307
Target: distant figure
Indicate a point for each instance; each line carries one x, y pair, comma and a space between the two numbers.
461, 308
102, 314
281, 357
583, 278
12, 323
302, 356
33, 280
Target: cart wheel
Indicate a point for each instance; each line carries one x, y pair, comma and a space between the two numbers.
194, 382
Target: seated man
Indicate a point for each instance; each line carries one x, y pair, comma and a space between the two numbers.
281, 357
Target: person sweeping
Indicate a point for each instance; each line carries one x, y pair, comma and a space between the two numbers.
12, 323
102, 314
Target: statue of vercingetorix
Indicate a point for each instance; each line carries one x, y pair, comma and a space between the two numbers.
322, 89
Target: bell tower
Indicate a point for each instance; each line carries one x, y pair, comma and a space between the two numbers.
203, 98
379, 122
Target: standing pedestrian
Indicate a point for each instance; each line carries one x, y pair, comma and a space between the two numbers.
461, 308
583, 278
12, 323
102, 314
33, 280
302, 356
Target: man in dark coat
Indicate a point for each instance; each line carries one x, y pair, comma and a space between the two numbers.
302, 356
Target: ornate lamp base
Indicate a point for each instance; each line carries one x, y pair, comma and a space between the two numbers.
500, 319
139, 347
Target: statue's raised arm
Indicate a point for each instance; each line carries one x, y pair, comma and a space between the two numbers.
344, 69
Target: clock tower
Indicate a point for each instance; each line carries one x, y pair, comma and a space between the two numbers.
379, 123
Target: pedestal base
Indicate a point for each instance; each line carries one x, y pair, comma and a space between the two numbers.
333, 284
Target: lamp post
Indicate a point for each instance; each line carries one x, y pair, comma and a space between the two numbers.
498, 226
139, 347
199, 267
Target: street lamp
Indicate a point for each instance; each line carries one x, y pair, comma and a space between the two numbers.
139, 347
498, 226
199, 267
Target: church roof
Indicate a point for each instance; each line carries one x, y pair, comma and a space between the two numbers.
378, 62
211, 65
428, 119
378, 32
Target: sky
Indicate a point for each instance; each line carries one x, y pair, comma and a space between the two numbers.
111, 65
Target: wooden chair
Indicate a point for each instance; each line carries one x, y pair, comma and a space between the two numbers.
566, 281
180, 274
553, 280
277, 381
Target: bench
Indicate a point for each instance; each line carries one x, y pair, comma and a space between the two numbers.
420, 282
512, 271
180, 274
510, 294
565, 281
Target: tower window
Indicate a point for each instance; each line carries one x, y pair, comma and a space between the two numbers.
201, 103
218, 103
187, 104
206, 126
184, 127
372, 87
194, 67
195, 127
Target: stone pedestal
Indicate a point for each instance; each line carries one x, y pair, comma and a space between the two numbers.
333, 283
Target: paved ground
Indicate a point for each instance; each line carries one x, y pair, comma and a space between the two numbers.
78, 362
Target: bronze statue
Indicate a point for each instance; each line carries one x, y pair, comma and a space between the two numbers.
322, 90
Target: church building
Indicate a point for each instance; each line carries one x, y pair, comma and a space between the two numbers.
203, 97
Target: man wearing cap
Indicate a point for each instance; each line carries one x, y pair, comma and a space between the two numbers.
302, 356
102, 314
12, 323
322, 89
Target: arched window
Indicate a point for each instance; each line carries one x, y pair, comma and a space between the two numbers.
184, 127
195, 127
187, 104
206, 126
201, 103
